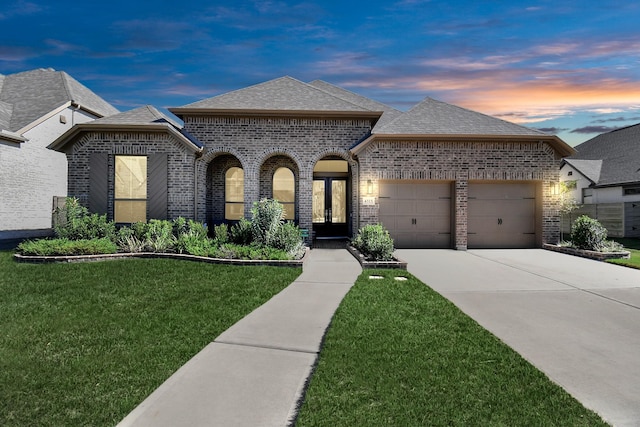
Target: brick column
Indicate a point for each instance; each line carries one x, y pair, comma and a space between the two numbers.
461, 195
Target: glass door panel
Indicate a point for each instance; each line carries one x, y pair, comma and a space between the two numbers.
318, 202
338, 201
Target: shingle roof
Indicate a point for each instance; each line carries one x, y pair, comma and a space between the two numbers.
145, 118
142, 115
282, 94
431, 117
591, 169
33, 94
389, 113
619, 151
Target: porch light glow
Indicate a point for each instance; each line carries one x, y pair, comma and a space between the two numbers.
369, 187
555, 189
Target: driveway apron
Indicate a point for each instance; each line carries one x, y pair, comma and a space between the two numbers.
575, 319
254, 373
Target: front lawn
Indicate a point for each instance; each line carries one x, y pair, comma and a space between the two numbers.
399, 354
633, 246
84, 344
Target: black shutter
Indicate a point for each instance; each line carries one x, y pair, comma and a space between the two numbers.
98, 183
157, 186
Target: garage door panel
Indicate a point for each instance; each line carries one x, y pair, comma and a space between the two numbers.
501, 191
433, 207
417, 214
387, 190
433, 191
435, 224
387, 207
501, 215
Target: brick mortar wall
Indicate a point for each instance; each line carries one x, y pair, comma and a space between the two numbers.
298, 143
180, 194
462, 162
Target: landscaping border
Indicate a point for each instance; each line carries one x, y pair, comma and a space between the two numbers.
599, 256
186, 257
364, 263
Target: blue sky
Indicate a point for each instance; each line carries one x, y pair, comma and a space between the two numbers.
570, 68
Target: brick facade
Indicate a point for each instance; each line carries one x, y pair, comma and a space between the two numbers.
180, 197
261, 145
461, 162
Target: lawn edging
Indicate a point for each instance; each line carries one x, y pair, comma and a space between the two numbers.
106, 257
365, 263
599, 256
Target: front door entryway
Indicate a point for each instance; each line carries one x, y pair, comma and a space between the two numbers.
330, 207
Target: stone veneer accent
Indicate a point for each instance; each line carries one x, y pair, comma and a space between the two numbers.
462, 162
261, 144
180, 165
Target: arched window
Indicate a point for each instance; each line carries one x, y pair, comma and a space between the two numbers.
234, 194
284, 191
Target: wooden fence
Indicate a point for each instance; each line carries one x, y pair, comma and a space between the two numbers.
620, 219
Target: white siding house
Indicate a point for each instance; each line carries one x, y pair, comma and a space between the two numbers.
35, 108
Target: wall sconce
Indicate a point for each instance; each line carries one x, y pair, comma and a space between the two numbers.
555, 188
369, 187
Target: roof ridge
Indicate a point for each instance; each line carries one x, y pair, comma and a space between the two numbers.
351, 92
65, 84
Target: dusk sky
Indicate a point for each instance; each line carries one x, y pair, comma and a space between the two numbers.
568, 68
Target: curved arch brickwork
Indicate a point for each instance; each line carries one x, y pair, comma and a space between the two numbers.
257, 139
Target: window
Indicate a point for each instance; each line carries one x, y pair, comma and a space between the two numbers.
629, 191
587, 195
570, 173
130, 192
284, 191
234, 194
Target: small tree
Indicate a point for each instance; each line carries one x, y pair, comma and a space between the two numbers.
568, 203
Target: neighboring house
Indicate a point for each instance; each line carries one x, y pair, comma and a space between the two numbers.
605, 178
36, 107
435, 176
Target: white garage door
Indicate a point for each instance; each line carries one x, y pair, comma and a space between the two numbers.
502, 215
417, 213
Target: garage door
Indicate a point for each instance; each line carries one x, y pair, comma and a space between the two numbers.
502, 215
417, 214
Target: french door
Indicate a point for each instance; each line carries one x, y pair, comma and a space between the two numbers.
330, 207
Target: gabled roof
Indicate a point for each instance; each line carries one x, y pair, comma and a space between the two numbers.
283, 95
142, 115
145, 118
619, 152
33, 94
389, 113
590, 169
431, 119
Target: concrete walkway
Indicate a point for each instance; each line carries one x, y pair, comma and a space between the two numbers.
254, 373
577, 320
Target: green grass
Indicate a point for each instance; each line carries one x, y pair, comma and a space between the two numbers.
83, 344
633, 246
398, 354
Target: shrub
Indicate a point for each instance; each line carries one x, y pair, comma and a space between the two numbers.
221, 234
241, 233
267, 217
374, 242
288, 238
74, 222
67, 247
587, 233
159, 236
253, 251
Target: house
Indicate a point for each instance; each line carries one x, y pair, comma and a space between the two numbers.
436, 176
604, 176
36, 107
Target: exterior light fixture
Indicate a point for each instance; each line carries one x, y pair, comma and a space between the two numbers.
369, 187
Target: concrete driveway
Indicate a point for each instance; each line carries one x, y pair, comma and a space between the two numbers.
575, 319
